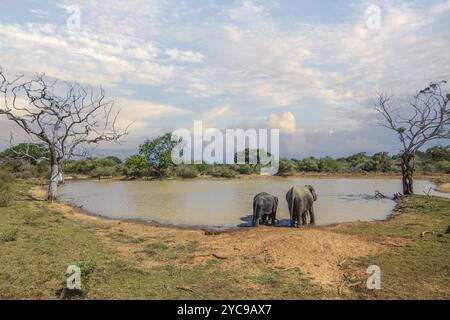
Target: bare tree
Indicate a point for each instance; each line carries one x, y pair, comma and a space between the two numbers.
426, 118
66, 117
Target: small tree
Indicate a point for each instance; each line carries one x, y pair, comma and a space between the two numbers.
158, 152
426, 118
66, 118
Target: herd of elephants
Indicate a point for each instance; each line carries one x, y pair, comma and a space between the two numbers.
300, 202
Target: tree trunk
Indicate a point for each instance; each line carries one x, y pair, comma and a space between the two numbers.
407, 164
53, 185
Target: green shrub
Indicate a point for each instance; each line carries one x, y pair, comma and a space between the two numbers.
245, 169
184, 171
87, 268
137, 166
286, 168
204, 168
6, 189
10, 235
443, 166
103, 171
222, 171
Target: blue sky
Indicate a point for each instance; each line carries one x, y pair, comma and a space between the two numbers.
311, 68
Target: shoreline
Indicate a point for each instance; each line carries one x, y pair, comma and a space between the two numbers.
139, 260
306, 175
219, 229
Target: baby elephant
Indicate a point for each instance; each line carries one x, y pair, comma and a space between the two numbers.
300, 202
264, 209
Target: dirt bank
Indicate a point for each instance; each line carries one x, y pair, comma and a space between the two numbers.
317, 251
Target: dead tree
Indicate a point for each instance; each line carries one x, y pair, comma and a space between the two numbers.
426, 118
65, 116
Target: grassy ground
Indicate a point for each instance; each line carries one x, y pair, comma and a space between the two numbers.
38, 240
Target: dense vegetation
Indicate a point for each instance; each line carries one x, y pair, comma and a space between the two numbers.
154, 160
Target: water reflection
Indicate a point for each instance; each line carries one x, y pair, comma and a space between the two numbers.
228, 203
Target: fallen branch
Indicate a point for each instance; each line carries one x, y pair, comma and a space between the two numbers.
379, 195
219, 257
340, 264
185, 289
426, 232
427, 193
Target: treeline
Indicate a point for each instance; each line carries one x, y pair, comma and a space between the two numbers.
433, 160
154, 160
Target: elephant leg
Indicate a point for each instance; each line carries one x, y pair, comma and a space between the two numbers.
257, 218
304, 218
254, 214
273, 218
313, 218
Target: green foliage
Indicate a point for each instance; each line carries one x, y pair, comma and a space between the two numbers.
204, 168
328, 164
223, 171
6, 189
9, 236
310, 164
186, 171
87, 268
35, 151
245, 169
94, 167
158, 152
137, 166
286, 168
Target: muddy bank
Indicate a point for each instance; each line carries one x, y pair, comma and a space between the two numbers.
318, 251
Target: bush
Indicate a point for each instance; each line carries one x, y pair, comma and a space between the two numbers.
10, 235
222, 171
6, 189
286, 168
443, 166
103, 171
245, 169
204, 168
184, 171
87, 268
137, 166
309, 165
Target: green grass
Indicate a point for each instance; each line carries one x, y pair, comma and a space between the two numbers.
35, 264
419, 268
46, 242
10, 235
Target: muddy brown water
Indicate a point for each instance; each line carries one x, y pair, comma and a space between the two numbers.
228, 203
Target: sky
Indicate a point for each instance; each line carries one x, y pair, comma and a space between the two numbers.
313, 69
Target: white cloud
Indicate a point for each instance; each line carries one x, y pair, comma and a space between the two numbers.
285, 122
239, 57
184, 56
440, 8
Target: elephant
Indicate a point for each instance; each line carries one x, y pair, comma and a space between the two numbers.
300, 202
264, 209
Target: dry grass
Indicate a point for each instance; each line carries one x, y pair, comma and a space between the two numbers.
140, 261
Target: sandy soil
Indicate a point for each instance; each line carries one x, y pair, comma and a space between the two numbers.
319, 252
445, 187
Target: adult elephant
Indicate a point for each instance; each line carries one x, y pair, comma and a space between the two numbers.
300, 202
264, 209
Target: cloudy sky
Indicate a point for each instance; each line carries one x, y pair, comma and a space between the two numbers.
311, 68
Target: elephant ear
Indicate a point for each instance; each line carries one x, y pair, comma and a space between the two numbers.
276, 201
313, 192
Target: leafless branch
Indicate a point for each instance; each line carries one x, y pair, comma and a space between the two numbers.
65, 116
426, 118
